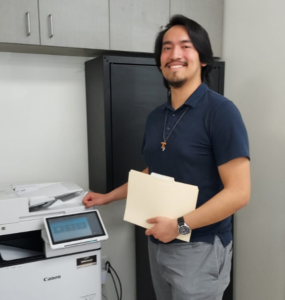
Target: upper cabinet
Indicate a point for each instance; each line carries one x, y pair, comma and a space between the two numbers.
74, 23
19, 22
62, 23
85, 26
134, 24
208, 13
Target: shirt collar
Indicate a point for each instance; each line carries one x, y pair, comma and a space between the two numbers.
192, 100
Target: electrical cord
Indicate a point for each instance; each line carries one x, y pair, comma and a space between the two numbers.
110, 269
104, 296
115, 286
118, 281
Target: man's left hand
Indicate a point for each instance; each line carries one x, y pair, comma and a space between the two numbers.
164, 229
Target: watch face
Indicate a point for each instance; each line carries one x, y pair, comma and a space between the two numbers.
184, 230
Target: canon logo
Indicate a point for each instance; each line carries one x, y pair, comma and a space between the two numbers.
52, 278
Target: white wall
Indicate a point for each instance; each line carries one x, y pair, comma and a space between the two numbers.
42, 119
254, 53
44, 138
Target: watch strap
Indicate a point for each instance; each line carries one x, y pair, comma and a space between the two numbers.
180, 221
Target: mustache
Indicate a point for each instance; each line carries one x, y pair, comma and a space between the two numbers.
178, 61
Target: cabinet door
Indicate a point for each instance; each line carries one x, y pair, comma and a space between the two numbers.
208, 13
74, 23
19, 22
135, 24
136, 91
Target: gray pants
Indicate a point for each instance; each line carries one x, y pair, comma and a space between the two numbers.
190, 271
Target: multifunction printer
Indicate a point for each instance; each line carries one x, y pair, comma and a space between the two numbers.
50, 245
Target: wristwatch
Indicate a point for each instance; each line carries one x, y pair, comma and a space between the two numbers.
183, 228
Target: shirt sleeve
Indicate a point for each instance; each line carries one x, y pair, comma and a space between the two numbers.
228, 134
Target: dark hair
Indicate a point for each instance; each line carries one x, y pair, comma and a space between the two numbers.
199, 38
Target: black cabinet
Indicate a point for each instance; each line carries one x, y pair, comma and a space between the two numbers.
121, 92
136, 90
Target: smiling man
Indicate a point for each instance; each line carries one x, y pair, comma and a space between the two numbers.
179, 60
198, 137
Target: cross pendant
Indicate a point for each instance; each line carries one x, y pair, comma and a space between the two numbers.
163, 144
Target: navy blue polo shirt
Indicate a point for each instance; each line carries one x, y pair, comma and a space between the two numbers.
210, 133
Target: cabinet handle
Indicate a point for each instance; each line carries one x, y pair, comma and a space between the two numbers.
51, 25
28, 24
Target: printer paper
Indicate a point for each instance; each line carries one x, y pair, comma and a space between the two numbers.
11, 253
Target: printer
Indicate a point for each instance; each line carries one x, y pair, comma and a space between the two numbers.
50, 245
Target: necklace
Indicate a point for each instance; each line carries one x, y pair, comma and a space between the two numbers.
163, 144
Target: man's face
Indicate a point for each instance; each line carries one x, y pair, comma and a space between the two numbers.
179, 59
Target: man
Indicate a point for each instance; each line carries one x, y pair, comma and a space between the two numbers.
198, 138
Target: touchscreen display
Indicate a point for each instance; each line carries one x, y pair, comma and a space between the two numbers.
74, 227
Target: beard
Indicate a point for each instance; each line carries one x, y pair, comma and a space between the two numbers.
174, 81
176, 84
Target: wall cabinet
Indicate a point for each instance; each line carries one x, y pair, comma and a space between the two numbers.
73, 23
208, 13
19, 22
120, 25
63, 23
134, 24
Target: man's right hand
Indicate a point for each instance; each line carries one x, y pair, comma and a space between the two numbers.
92, 199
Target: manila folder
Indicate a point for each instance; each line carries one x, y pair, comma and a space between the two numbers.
151, 196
